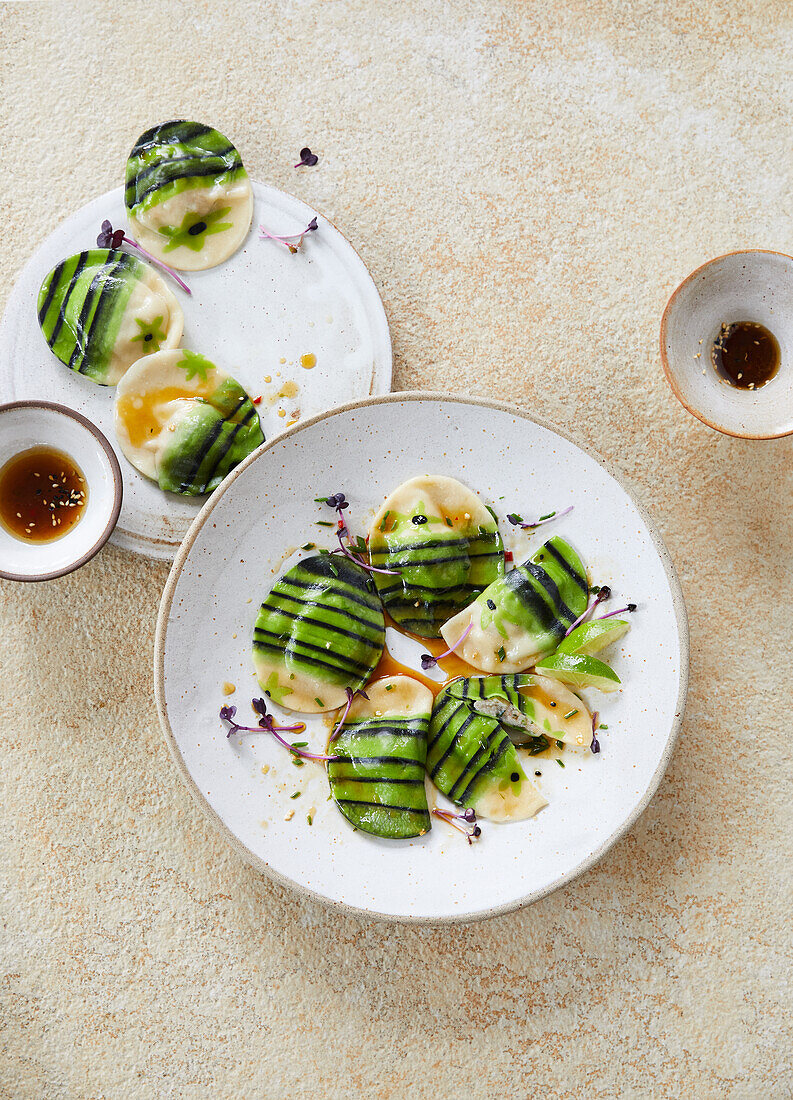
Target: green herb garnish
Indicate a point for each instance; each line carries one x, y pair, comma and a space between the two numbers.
501, 653
295, 795
571, 713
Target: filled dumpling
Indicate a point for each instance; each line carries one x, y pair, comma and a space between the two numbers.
524, 615
471, 759
377, 780
444, 547
534, 710
320, 631
184, 423
189, 199
101, 310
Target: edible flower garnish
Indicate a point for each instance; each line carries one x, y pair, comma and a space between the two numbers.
595, 746
267, 725
428, 661
114, 238
350, 696
468, 816
517, 521
307, 158
288, 238
603, 594
339, 502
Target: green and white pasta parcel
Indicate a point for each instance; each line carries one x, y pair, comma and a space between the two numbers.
377, 774
444, 547
188, 196
534, 710
524, 615
471, 759
320, 631
183, 422
102, 309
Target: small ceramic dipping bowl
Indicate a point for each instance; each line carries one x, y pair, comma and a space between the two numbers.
755, 286
28, 424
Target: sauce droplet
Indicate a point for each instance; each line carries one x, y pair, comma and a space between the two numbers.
308, 361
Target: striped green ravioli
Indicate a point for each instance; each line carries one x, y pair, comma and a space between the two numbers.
102, 309
523, 616
183, 422
534, 710
471, 759
320, 631
444, 548
377, 780
187, 193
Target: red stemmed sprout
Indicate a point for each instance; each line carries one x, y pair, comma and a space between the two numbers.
468, 816
339, 502
267, 725
428, 661
114, 238
350, 696
292, 241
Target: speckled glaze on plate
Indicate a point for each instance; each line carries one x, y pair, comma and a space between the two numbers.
235, 549
260, 306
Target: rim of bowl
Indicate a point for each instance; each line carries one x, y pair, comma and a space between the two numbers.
249, 857
118, 491
670, 377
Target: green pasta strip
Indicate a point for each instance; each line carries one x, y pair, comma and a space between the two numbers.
81, 304
178, 156
378, 782
321, 625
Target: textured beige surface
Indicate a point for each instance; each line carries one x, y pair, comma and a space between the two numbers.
527, 183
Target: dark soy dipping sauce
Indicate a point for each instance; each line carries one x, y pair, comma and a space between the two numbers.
43, 494
745, 354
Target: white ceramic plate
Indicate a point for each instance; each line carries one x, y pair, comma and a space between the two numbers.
236, 548
255, 315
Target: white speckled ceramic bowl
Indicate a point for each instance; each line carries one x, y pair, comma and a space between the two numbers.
236, 548
26, 424
741, 286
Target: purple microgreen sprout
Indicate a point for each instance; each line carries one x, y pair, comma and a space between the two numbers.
603, 594
114, 238
517, 521
631, 607
468, 816
350, 696
267, 725
428, 661
288, 238
339, 502
307, 158
595, 746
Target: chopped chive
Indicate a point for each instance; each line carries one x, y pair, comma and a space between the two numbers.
324, 523
295, 795
549, 516
560, 744
307, 546
382, 521
298, 762
502, 653
602, 727
299, 744
571, 713
389, 687
318, 701
309, 819
449, 522
560, 763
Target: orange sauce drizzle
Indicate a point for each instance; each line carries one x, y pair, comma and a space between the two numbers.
142, 414
451, 666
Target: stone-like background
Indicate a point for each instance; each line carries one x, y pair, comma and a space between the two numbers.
527, 183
